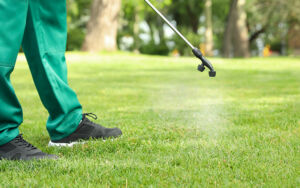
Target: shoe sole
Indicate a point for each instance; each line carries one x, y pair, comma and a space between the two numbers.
53, 144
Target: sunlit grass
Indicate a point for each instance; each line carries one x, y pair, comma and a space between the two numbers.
181, 128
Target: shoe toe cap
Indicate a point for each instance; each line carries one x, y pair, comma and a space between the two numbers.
115, 132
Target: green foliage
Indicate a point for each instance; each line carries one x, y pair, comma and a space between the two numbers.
78, 15
276, 46
182, 47
133, 14
181, 128
75, 39
154, 49
274, 16
187, 13
220, 10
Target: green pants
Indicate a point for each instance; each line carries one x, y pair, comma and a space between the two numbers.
39, 26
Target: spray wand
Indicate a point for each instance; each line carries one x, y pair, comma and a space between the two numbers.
196, 51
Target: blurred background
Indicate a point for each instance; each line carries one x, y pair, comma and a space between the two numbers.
222, 28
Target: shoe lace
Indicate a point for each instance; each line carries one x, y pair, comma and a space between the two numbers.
91, 115
21, 142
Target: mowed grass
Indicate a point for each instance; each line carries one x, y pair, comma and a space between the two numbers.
181, 128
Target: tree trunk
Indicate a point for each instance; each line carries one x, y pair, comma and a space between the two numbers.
236, 39
227, 44
241, 39
209, 31
102, 26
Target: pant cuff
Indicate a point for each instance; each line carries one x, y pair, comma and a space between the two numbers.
67, 127
8, 135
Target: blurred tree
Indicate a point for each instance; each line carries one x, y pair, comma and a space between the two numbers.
209, 43
102, 26
187, 16
275, 19
187, 13
236, 39
232, 23
156, 26
132, 15
78, 15
135, 13
220, 9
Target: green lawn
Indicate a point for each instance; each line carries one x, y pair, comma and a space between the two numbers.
181, 128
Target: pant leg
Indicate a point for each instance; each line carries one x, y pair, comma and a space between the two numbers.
44, 45
12, 24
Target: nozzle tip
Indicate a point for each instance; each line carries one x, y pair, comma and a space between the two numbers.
212, 73
201, 68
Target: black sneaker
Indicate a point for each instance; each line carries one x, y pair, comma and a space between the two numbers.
86, 130
20, 149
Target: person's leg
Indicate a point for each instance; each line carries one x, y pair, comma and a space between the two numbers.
44, 45
12, 23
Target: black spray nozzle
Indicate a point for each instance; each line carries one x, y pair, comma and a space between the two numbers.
205, 63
